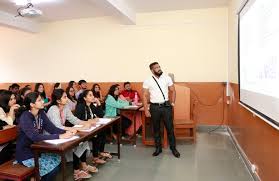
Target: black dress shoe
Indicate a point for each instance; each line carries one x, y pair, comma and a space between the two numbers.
157, 152
175, 153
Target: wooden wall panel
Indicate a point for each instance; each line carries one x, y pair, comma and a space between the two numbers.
258, 139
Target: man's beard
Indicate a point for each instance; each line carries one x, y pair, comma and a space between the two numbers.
158, 73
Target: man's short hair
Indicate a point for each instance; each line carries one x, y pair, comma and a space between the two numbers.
152, 64
125, 83
81, 82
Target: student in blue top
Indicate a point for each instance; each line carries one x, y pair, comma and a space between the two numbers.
40, 88
32, 123
113, 103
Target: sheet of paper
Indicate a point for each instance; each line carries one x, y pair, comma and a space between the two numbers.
59, 141
87, 130
103, 121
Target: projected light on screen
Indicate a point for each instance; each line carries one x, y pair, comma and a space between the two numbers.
259, 58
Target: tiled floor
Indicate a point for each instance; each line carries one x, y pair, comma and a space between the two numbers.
212, 158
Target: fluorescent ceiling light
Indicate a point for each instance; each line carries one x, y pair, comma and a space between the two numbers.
24, 2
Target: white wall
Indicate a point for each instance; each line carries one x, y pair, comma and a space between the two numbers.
192, 44
234, 8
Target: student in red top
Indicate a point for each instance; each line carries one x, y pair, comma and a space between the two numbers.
128, 92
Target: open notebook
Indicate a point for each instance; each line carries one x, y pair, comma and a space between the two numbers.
59, 141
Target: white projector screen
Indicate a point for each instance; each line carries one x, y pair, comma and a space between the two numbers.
259, 58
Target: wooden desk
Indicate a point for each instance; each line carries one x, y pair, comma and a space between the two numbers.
145, 140
134, 110
61, 149
8, 135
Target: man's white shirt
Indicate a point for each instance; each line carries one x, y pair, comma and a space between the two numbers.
155, 94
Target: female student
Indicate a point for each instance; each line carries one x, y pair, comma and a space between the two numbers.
96, 89
72, 101
39, 87
57, 85
113, 102
58, 113
23, 92
8, 106
32, 123
86, 110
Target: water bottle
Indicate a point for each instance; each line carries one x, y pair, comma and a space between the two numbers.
136, 98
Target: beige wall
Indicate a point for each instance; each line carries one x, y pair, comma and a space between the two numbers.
234, 8
192, 44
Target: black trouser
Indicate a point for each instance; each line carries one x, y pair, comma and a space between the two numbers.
98, 143
159, 113
7, 153
77, 159
125, 123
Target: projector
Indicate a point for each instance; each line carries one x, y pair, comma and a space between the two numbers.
30, 12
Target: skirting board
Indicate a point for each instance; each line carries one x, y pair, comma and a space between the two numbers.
208, 128
243, 156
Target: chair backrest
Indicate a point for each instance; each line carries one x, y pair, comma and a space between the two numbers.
8, 135
182, 106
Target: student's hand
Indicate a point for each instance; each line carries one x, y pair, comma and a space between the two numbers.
14, 107
147, 113
93, 121
8, 126
96, 100
72, 130
85, 125
129, 99
66, 135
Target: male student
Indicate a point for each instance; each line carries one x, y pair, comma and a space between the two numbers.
128, 92
82, 87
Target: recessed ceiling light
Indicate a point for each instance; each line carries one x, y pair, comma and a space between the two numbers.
24, 2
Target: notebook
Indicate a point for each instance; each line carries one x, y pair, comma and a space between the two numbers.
60, 141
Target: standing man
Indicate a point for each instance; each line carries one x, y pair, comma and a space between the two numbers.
158, 87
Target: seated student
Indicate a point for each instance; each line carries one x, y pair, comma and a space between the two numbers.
32, 123
57, 85
8, 106
72, 84
29, 86
58, 113
23, 92
72, 101
113, 103
129, 95
86, 110
39, 87
82, 87
15, 90
120, 96
128, 92
96, 89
